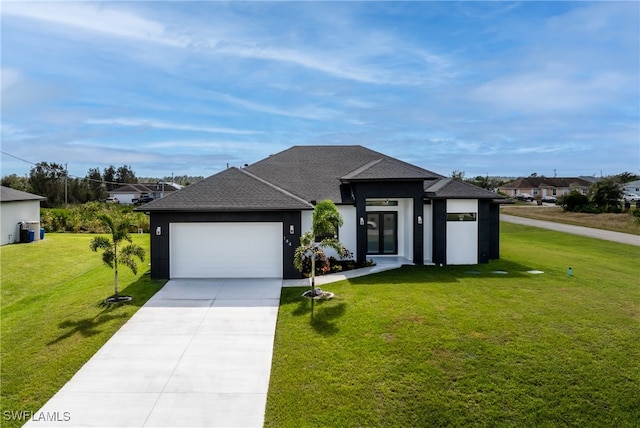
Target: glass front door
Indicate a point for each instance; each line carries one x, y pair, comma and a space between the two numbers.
382, 232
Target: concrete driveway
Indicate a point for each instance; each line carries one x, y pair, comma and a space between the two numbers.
198, 354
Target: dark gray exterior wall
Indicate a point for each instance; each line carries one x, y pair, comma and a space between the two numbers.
160, 259
439, 231
390, 189
494, 234
484, 231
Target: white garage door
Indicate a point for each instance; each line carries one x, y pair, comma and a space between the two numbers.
226, 250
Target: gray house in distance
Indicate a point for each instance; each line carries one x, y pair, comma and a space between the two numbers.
247, 222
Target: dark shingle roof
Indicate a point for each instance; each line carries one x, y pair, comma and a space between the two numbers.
8, 194
387, 169
448, 188
230, 190
291, 179
314, 172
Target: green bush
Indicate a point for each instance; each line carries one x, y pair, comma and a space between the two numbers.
84, 218
575, 202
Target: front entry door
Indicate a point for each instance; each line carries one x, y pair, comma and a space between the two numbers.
382, 232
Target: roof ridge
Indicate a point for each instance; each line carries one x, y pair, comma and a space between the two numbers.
273, 186
439, 184
362, 169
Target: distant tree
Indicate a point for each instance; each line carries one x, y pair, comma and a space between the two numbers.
457, 175
16, 182
47, 179
627, 177
97, 190
125, 175
489, 183
533, 174
113, 255
606, 194
109, 177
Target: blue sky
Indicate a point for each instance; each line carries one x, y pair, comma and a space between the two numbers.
167, 87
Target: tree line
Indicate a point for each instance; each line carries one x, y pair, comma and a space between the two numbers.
51, 180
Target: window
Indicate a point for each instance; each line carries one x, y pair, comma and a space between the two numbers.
381, 203
382, 232
461, 216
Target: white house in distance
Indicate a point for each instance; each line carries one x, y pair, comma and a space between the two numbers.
127, 193
15, 207
632, 187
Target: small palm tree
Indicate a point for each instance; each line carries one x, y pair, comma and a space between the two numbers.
112, 254
325, 221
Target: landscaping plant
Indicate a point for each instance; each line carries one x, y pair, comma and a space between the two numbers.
113, 255
325, 222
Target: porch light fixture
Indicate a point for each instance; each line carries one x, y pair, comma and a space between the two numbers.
361, 221
158, 231
419, 219
292, 229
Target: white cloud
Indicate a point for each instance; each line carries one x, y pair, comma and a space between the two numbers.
546, 91
159, 124
304, 112
96, 18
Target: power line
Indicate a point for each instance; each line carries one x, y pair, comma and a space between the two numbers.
66, 172
16, 157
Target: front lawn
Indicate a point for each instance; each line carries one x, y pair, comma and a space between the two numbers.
431, 346
53, 318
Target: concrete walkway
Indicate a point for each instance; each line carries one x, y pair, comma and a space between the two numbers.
382, 264
624, 238
198, 354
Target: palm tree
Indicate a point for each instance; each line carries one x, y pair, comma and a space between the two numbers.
112, 254
325, 222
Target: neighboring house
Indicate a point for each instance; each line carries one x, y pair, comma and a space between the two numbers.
15, 207
247, 222
127, 193
632, 187
545, 186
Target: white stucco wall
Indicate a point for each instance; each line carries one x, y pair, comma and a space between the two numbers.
427, 224
346, 232
13, 212
462, 236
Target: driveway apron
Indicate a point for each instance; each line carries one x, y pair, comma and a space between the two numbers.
197, 354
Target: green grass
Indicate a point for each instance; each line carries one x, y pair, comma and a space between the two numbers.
53, 316
430, 346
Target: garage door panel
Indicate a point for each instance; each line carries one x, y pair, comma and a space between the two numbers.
226, 250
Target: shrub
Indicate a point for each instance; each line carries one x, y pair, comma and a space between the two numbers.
573, 202
85, 218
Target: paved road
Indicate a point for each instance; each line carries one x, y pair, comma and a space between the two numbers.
624, 238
